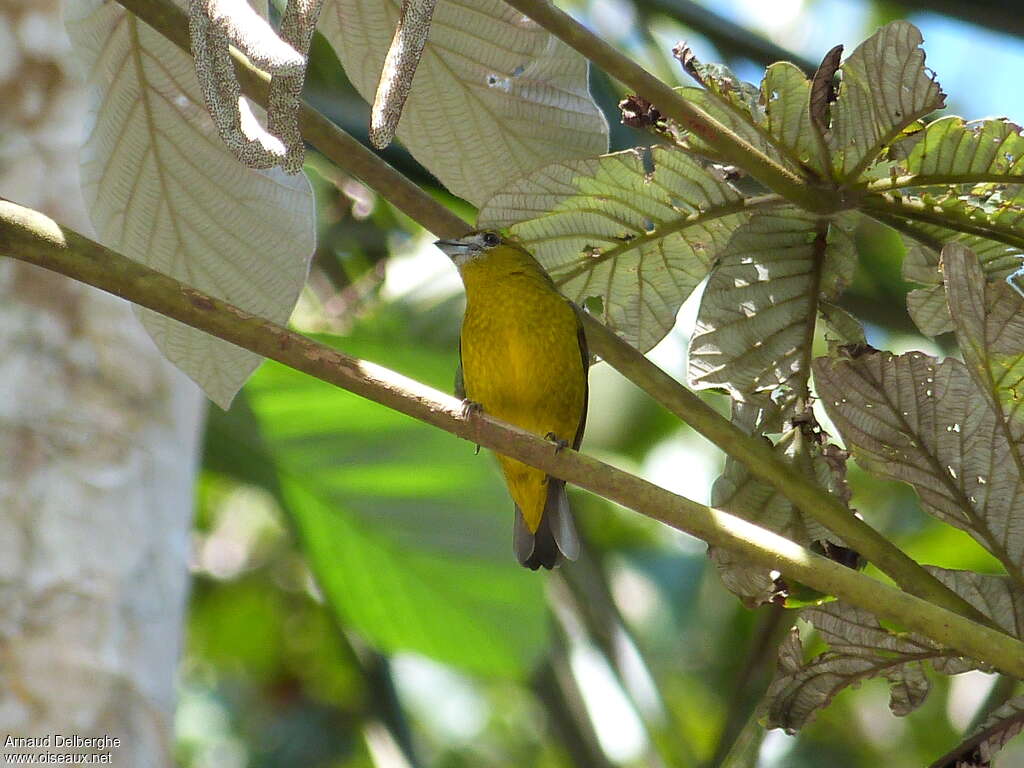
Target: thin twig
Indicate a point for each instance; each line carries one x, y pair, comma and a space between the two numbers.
36, 239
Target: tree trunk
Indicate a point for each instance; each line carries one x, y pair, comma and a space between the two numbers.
98, 446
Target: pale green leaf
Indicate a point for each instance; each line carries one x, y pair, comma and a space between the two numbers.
786, 94
163, 189
928, 306
775, 118
928, 310
841, 327
757, 315
885, 87
923, 421
637, 235
952, 150
495, 95
408, 532
989, 320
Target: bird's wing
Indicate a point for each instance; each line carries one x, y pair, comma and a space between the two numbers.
581, 338
460, 384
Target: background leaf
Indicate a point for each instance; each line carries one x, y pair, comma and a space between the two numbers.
920, 420
636, 230
885, 87
162, 189
494, 96
407, 532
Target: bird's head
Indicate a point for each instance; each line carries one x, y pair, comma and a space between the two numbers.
475, 245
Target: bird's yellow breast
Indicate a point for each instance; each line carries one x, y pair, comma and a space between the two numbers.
521, 359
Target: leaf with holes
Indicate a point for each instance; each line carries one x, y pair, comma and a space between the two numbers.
638, 231
885, 88
162, 189
737, 491
495, 96
861, 648
953, 151
758, 312
774, 118
980, 749
923, 421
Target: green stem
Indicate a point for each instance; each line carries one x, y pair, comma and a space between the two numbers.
879, 206
779, 179
36, 239
941, 180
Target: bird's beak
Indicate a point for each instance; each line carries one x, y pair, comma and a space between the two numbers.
453, 248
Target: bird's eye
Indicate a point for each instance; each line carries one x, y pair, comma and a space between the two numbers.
490, 239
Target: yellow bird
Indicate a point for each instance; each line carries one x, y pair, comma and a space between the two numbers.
525, 361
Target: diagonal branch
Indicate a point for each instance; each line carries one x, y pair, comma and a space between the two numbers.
36, 239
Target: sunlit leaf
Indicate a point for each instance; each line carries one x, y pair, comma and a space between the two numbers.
637, 231
758, 311
775, 118
885, 87
162, 189
951, 150
923, 421
407, 531
494, 96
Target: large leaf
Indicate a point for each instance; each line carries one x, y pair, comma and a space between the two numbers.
494, 96
775, 118
407, 531
861, 648
757, 315
636, 232
885, 88
951, 151
162, 189
923, 421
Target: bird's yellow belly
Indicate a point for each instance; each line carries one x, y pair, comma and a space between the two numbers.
524, 366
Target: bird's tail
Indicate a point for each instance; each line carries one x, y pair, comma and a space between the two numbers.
555, 538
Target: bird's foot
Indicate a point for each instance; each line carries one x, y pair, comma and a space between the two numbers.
471, 408
559, 443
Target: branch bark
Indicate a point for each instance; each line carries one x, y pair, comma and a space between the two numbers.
34, 238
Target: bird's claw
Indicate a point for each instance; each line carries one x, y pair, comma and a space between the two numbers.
559, 443
470, 408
